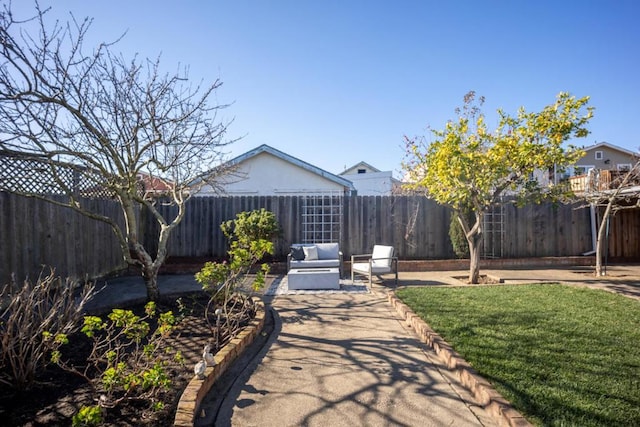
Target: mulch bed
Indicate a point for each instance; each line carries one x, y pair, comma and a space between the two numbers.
57, 394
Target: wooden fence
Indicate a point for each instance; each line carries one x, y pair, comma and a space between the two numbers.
35, 233
415, 226
624, 235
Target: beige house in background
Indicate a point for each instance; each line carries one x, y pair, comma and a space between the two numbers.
604, 156
601, 156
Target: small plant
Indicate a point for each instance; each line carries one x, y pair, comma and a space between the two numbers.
126, 360
250, 235
36, 318
87, 416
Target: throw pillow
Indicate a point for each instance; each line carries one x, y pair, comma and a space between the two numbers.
297, 253
310, 252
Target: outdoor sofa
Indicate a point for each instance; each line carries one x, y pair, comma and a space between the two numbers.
315, 255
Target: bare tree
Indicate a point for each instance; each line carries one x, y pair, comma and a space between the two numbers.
86, 123
623, 192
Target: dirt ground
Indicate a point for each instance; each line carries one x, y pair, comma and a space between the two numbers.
58, 394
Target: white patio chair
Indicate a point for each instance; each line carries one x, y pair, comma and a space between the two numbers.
380, 261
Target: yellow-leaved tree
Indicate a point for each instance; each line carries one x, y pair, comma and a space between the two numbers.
470, 168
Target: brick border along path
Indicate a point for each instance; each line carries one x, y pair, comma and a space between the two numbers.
481, 389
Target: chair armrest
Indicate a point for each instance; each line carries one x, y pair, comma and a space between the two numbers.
393, 258
362, 256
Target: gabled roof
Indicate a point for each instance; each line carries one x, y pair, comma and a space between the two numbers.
612, 147
360, 165
293, 160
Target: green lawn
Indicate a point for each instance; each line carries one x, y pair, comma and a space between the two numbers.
563, 356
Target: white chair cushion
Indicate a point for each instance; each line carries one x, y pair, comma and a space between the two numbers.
381, 256
363, 267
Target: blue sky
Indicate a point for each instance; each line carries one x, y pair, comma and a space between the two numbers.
337, 82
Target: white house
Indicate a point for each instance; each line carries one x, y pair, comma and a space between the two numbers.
265, 171
369, 181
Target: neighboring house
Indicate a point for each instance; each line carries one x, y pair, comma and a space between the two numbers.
154, 185
369, 181
265, 171
604, 156
598, 157
601, 167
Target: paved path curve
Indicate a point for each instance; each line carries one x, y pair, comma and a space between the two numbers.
341, 360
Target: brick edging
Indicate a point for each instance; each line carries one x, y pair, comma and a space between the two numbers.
197, 389
481, 389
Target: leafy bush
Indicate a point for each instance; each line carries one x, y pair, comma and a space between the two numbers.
126, 360
456, 234
35, 319
251, 237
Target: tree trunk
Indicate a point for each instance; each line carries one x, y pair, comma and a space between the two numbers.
150, 276
149, 268
474, 259
601, 239
474, 238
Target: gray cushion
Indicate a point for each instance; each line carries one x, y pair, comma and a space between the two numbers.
328, 250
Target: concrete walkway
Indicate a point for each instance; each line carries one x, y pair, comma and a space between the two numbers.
121, 291
342, 360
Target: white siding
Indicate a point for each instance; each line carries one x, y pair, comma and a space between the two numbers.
372, 183
267, 175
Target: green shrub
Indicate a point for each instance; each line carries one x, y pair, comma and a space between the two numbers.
456, 234
127, 359
250, 237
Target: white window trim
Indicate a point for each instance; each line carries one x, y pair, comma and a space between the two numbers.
599, 155
623, 165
